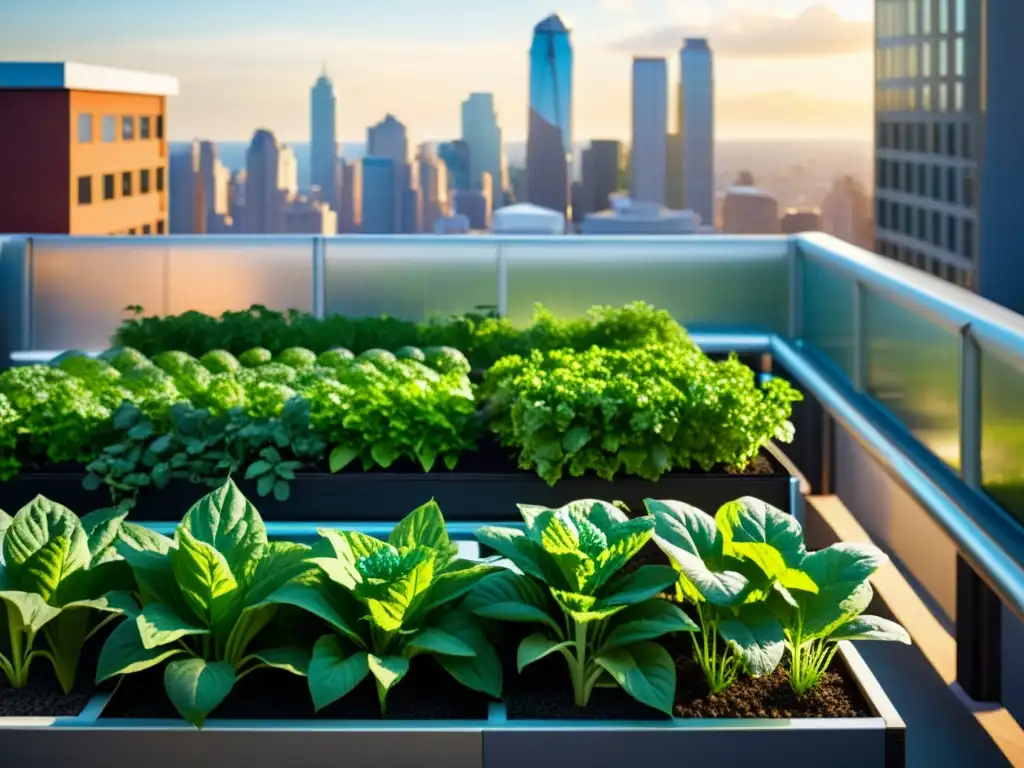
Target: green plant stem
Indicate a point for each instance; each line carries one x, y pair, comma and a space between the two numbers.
808, 663
207, 646
579, 668
253, 668
720, 669
106, 620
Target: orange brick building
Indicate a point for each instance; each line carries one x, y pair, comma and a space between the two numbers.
83, 150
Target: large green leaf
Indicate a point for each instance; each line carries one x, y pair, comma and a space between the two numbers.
154, 575
509, 596
101, 529
512, 543
123, 653
827, 610
204, 578
602, 514
278, 562
43, 545
536, 646
228, 522
699, 583
423, 527
645, 671
686, 528
645, 582
159, 625
871, 628
755, 635
480, 672
65, 635
436, 641
321, 598
648, 620
388, 672
770, 538
559, 539
843, 566
139, 538
287, 658
457, 580
352, 545
584, 608
625, 541
5, 523
390, 602
27, 610
333, 673
196, 687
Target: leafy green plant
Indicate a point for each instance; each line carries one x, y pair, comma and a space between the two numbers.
53, 583
220, 361
9, 431
297, 357
720, 561
206, 598
389, 602
335, 358
815, 621
255, 357
641, 411
600, 619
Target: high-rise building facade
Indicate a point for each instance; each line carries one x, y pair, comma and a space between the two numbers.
549, 138
846, 213
187, 193
83, 149
270, 184
749, 210
215, 179
379, 212
389, 140
697, 112
323, 145
795, 221
650, 130
433, 184
601, 162
482, 134
350, 195
457, 159
949, 157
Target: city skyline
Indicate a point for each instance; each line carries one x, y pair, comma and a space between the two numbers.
774, 58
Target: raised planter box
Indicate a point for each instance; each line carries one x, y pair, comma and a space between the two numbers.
90, 741
377, 495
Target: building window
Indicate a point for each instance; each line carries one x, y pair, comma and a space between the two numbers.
926, 59
951, 233
108, 186
159, 179
951, 185
961, 16
922, 180
943, 17
84, 128
958, 101
937, 139
960, 57
126, 184
159, 126
926, 17
937, 228
144, 127
147, 229
969, 187
969, 239
951, 140
965, 140
922, 225
144, 182
127, 127
84, 190
109, 129
159, 226
943, 60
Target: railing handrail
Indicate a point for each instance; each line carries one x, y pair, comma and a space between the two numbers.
951, 305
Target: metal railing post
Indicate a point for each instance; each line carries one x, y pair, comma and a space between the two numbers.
978, 610
502, 275
858, 362
319, 277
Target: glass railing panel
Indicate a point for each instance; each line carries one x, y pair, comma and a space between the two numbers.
409, 277
212, 274
1002, 430
828, 313
912, 368
706, 281
81, 285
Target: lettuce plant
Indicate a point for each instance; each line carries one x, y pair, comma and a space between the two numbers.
728, 567
389, 602
600, 620
816, 621
54, 586
206, 596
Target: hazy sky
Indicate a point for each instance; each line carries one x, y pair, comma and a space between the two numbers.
784, 68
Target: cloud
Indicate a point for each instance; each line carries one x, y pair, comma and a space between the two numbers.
772, 113
818, 31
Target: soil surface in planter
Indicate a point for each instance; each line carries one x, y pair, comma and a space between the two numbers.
427, 693
543, 691
43, 697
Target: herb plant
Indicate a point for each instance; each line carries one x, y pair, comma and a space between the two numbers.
206, 597
389, 602
53, 585
816, 621
642, 411
602, 621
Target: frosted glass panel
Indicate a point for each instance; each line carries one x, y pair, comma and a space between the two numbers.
828, 313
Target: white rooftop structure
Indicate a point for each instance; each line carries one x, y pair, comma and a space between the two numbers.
633, 217
71, 76
527, 219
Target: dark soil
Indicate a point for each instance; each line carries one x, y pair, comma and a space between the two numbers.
43, 697
428, 693
544, 691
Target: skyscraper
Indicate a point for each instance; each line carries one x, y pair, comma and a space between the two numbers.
549, 138
482, 134
846, 213
650, 136
350, 211
433, 182
270, 182
323, 146
379, 211
697, 94
215, 179
949, 157
457, 159
188, 204
389, 140
601, 162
